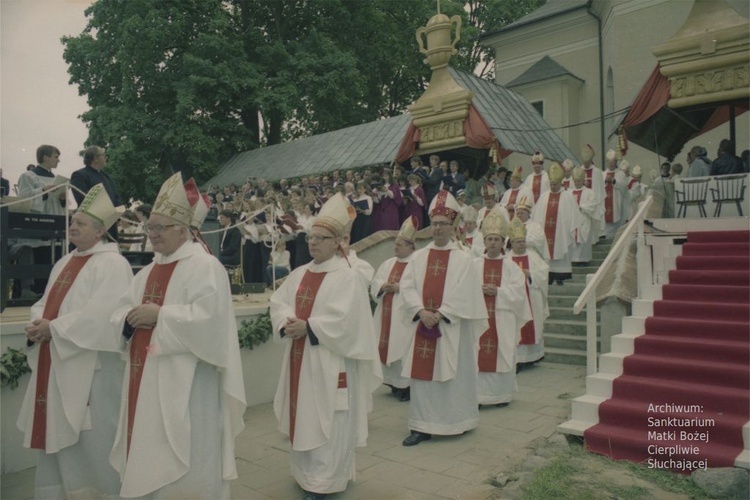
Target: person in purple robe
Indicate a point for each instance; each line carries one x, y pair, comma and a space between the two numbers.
415, 199
389, 201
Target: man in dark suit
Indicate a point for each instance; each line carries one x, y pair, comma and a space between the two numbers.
431, 183
94, 161
231, 240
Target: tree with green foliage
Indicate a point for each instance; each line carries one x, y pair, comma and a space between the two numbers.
186, 84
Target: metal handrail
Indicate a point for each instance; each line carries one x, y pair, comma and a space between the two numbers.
588, 296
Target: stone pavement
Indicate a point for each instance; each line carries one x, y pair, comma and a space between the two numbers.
445, 467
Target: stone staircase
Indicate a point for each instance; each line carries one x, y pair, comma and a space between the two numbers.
565, 332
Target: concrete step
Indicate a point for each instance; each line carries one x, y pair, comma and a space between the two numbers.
594, 262
612, 363
586, 408
562, 341
624, 342
562, 300
574, 427
600, 384
569, 288
564, 356
567, 327
567, 313
584, 270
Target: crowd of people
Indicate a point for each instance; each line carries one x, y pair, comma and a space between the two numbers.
137, 387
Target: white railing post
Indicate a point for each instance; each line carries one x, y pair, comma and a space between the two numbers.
591, 343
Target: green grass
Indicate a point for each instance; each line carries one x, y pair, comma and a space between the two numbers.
577, 476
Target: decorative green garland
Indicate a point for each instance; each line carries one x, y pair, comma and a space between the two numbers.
256, 331
13, 364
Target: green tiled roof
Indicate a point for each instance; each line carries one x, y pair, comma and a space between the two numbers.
543, 69
551, 9
367, 144
515, 123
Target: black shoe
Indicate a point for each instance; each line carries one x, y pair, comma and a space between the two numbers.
416, 437
502, 405
405, 394
560, 282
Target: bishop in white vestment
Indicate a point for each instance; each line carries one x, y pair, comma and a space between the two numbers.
391, 330
70, 408
507, 308
330, 367
442, 299
183, 396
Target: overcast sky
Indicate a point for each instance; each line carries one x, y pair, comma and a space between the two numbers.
37, 105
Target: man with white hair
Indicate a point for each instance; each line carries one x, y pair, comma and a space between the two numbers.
557, 213
615, 187
636, 188
392, 330
567, 166
183, 393
536, 240
489, 195
531, 344
516, 192
70, 408
442, 301
594, 181
321, 313
587, 232
505, 300
538, 181
472, 238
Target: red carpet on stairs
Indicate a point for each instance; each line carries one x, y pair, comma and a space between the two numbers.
684, 394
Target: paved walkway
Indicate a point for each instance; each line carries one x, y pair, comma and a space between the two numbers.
445, 467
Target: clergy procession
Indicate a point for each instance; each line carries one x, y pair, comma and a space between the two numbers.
137, 388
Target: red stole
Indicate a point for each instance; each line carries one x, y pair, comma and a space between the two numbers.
512, 201
469, 241
566, 184
423, 357
633, 182
303, 304
385, 317
492, 275
550, 221
528, 333
589, 172
536, 186
609, 199
156, 289
57, 294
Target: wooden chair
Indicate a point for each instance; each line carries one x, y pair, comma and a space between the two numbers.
730, 188
693, 193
